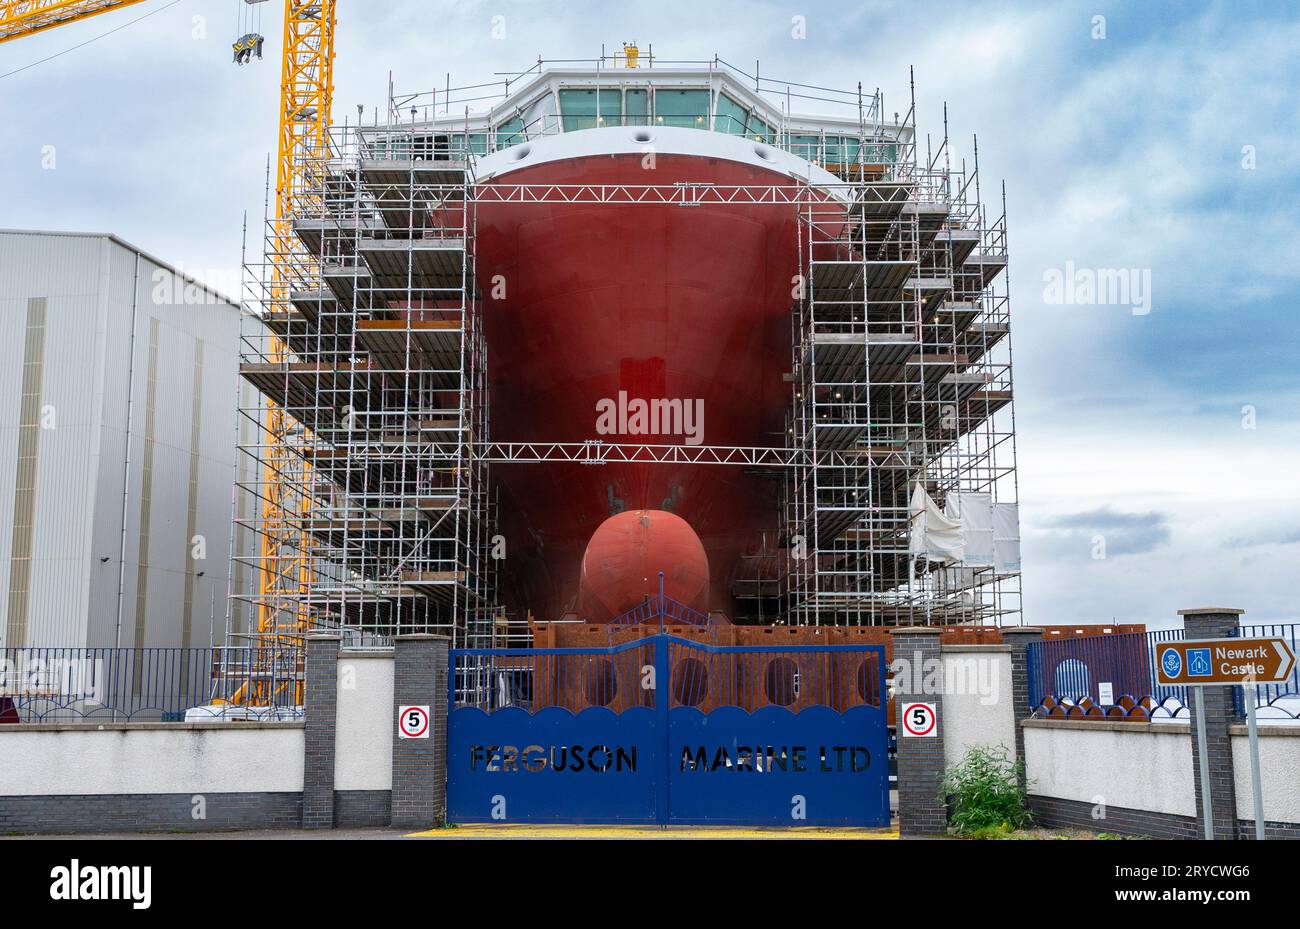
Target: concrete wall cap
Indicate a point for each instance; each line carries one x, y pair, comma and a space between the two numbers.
1022, 630
215, 725
948, 649
324, 637
421, 637
1162, 728
1211, 610
915, 630
1264, 729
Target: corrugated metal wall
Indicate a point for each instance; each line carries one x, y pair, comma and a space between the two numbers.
246, 580
123, 341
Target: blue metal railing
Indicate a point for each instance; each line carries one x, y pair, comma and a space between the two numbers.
701, 675
662, 608
1272, 701
492, 679
753, 676
120, 684
1067, 676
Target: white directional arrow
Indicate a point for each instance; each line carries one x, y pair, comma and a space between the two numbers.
1285, 659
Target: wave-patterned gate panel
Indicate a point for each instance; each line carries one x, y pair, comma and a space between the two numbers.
792, 736
664, 730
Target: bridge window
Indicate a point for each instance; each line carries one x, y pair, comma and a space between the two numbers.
880, 153
540, 118
509, 133
578, 108
731, 116
638, 108
477, 144
807, 147
411, 145
760, 131
841, 149
688, 109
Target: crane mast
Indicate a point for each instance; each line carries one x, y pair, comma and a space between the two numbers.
306, 96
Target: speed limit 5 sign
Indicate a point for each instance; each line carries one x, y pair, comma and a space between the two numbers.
412, 722
920, 720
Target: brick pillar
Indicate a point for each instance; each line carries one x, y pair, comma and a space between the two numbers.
1220, 712
321, 714
420, 765
920, 760
1019, 638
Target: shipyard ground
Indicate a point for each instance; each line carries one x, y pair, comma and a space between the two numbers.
507, 831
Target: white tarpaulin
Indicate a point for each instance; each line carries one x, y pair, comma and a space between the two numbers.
935, 534
970, 529
1006, 538
976, 514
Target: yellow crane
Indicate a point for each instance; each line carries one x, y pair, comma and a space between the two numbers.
20, 18
306, 97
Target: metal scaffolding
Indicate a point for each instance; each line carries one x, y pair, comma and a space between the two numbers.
901, 380
900, 389
377, 355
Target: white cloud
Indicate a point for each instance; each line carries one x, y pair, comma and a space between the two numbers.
1122, 153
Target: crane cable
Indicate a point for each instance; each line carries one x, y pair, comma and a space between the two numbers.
248, 17
88, 41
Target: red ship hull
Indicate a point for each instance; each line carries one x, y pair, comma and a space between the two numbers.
657, 301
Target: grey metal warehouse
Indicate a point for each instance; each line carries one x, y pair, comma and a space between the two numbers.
107, 540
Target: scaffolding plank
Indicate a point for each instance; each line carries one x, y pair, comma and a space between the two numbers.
404, 265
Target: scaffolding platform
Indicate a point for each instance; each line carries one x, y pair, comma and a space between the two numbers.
381, 500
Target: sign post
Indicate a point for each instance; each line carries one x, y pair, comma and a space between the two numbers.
1207, 810
1225, 663
1255, 786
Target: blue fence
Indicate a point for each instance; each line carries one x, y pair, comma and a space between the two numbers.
1273, 701
667, 729
122, 684
700, 675
1102, 676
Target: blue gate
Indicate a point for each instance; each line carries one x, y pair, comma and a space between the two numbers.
739, 735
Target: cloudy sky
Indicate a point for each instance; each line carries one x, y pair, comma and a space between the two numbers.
1156, 137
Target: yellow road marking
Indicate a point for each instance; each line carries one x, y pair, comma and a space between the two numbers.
513, 831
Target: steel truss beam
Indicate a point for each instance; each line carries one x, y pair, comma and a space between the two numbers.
600, 453
20, 18
662, 194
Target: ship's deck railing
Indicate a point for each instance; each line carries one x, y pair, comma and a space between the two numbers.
864, 106
422, 142
880, 156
